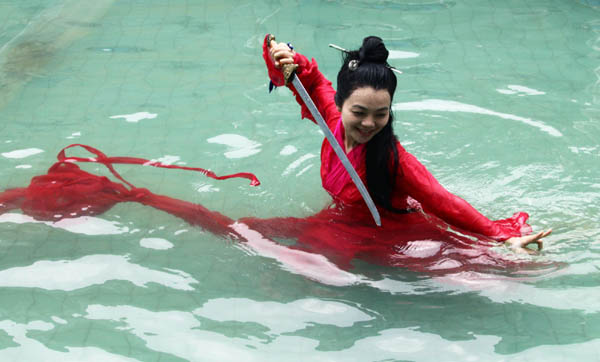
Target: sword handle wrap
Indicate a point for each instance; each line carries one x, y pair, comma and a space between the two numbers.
288, 71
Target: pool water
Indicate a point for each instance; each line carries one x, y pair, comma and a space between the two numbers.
500, 100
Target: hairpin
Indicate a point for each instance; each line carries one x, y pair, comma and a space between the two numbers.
354, 64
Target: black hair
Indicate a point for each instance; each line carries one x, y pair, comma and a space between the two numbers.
373, 71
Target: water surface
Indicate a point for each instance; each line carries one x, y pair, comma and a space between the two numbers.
499, 100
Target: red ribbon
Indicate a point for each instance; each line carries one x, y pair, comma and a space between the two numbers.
109, 161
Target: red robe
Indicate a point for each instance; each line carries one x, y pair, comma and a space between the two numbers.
414, 181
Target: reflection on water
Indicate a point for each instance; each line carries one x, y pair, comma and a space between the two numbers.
238, 146
22, 153
87, 225
282, 317
170, 332
135, 117
90, 270
453, 106
310, 265
29, 349
156, 243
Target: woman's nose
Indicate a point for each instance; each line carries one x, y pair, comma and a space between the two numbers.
368, 121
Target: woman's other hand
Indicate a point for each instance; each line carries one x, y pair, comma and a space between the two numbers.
519, 244
281, 54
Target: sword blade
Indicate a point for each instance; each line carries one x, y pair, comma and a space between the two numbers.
337, 148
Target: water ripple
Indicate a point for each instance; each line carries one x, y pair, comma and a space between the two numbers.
283, 317
30, 349
439, 105
90, 270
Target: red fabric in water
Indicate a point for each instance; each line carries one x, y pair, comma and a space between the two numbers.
340, 233
68, 191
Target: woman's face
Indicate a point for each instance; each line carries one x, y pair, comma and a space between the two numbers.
364, 113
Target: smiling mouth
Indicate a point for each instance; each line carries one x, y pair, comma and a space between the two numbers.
365, 133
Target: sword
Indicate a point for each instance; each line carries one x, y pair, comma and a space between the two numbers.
289, 73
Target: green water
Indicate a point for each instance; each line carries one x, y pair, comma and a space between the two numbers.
499, 99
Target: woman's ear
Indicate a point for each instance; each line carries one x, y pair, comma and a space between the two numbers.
337, 102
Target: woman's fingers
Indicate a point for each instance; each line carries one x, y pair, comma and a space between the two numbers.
534, 239
281, 53
537, 239
519, 244
283, 56
286, 60
539, 243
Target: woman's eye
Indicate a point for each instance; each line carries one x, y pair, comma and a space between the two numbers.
358, 114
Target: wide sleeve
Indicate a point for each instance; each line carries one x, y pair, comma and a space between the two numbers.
420, 184
318, 87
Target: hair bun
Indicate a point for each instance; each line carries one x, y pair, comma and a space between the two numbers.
373, 50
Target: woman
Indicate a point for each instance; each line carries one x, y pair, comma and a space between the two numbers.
415, 209
359, 114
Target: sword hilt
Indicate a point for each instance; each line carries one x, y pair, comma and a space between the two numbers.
288, 70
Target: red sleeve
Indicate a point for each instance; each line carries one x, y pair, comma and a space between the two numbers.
420, 184
315, 83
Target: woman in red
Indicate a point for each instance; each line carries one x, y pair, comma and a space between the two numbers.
359, 115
